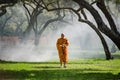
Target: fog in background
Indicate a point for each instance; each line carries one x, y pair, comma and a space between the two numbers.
83, 43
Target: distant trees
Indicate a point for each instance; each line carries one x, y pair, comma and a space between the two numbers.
3, 22
11, 23
34, 9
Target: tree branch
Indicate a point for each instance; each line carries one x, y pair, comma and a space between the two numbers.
26, 9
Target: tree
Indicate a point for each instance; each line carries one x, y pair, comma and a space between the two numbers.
38, 9
3, 23
114, 35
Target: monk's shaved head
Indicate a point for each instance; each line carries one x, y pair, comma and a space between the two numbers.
62, 35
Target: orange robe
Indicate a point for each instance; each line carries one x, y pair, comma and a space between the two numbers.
62, 51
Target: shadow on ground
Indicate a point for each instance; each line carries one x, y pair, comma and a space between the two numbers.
59, 74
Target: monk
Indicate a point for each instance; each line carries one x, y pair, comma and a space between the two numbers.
62, 47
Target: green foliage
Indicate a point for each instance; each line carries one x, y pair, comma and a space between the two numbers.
89, 69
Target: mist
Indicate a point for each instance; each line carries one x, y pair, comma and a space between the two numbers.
83, 43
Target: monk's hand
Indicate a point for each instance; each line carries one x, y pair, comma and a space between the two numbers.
63, 45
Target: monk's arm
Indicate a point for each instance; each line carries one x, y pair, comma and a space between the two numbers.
67, 42
57, 44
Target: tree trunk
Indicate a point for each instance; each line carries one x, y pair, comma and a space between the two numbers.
105, 46
101, 25
29, 28
37, 37
101, 5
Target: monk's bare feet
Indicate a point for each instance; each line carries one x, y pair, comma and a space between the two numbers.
65, 66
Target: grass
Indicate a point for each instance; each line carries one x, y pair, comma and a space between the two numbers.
81, 69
